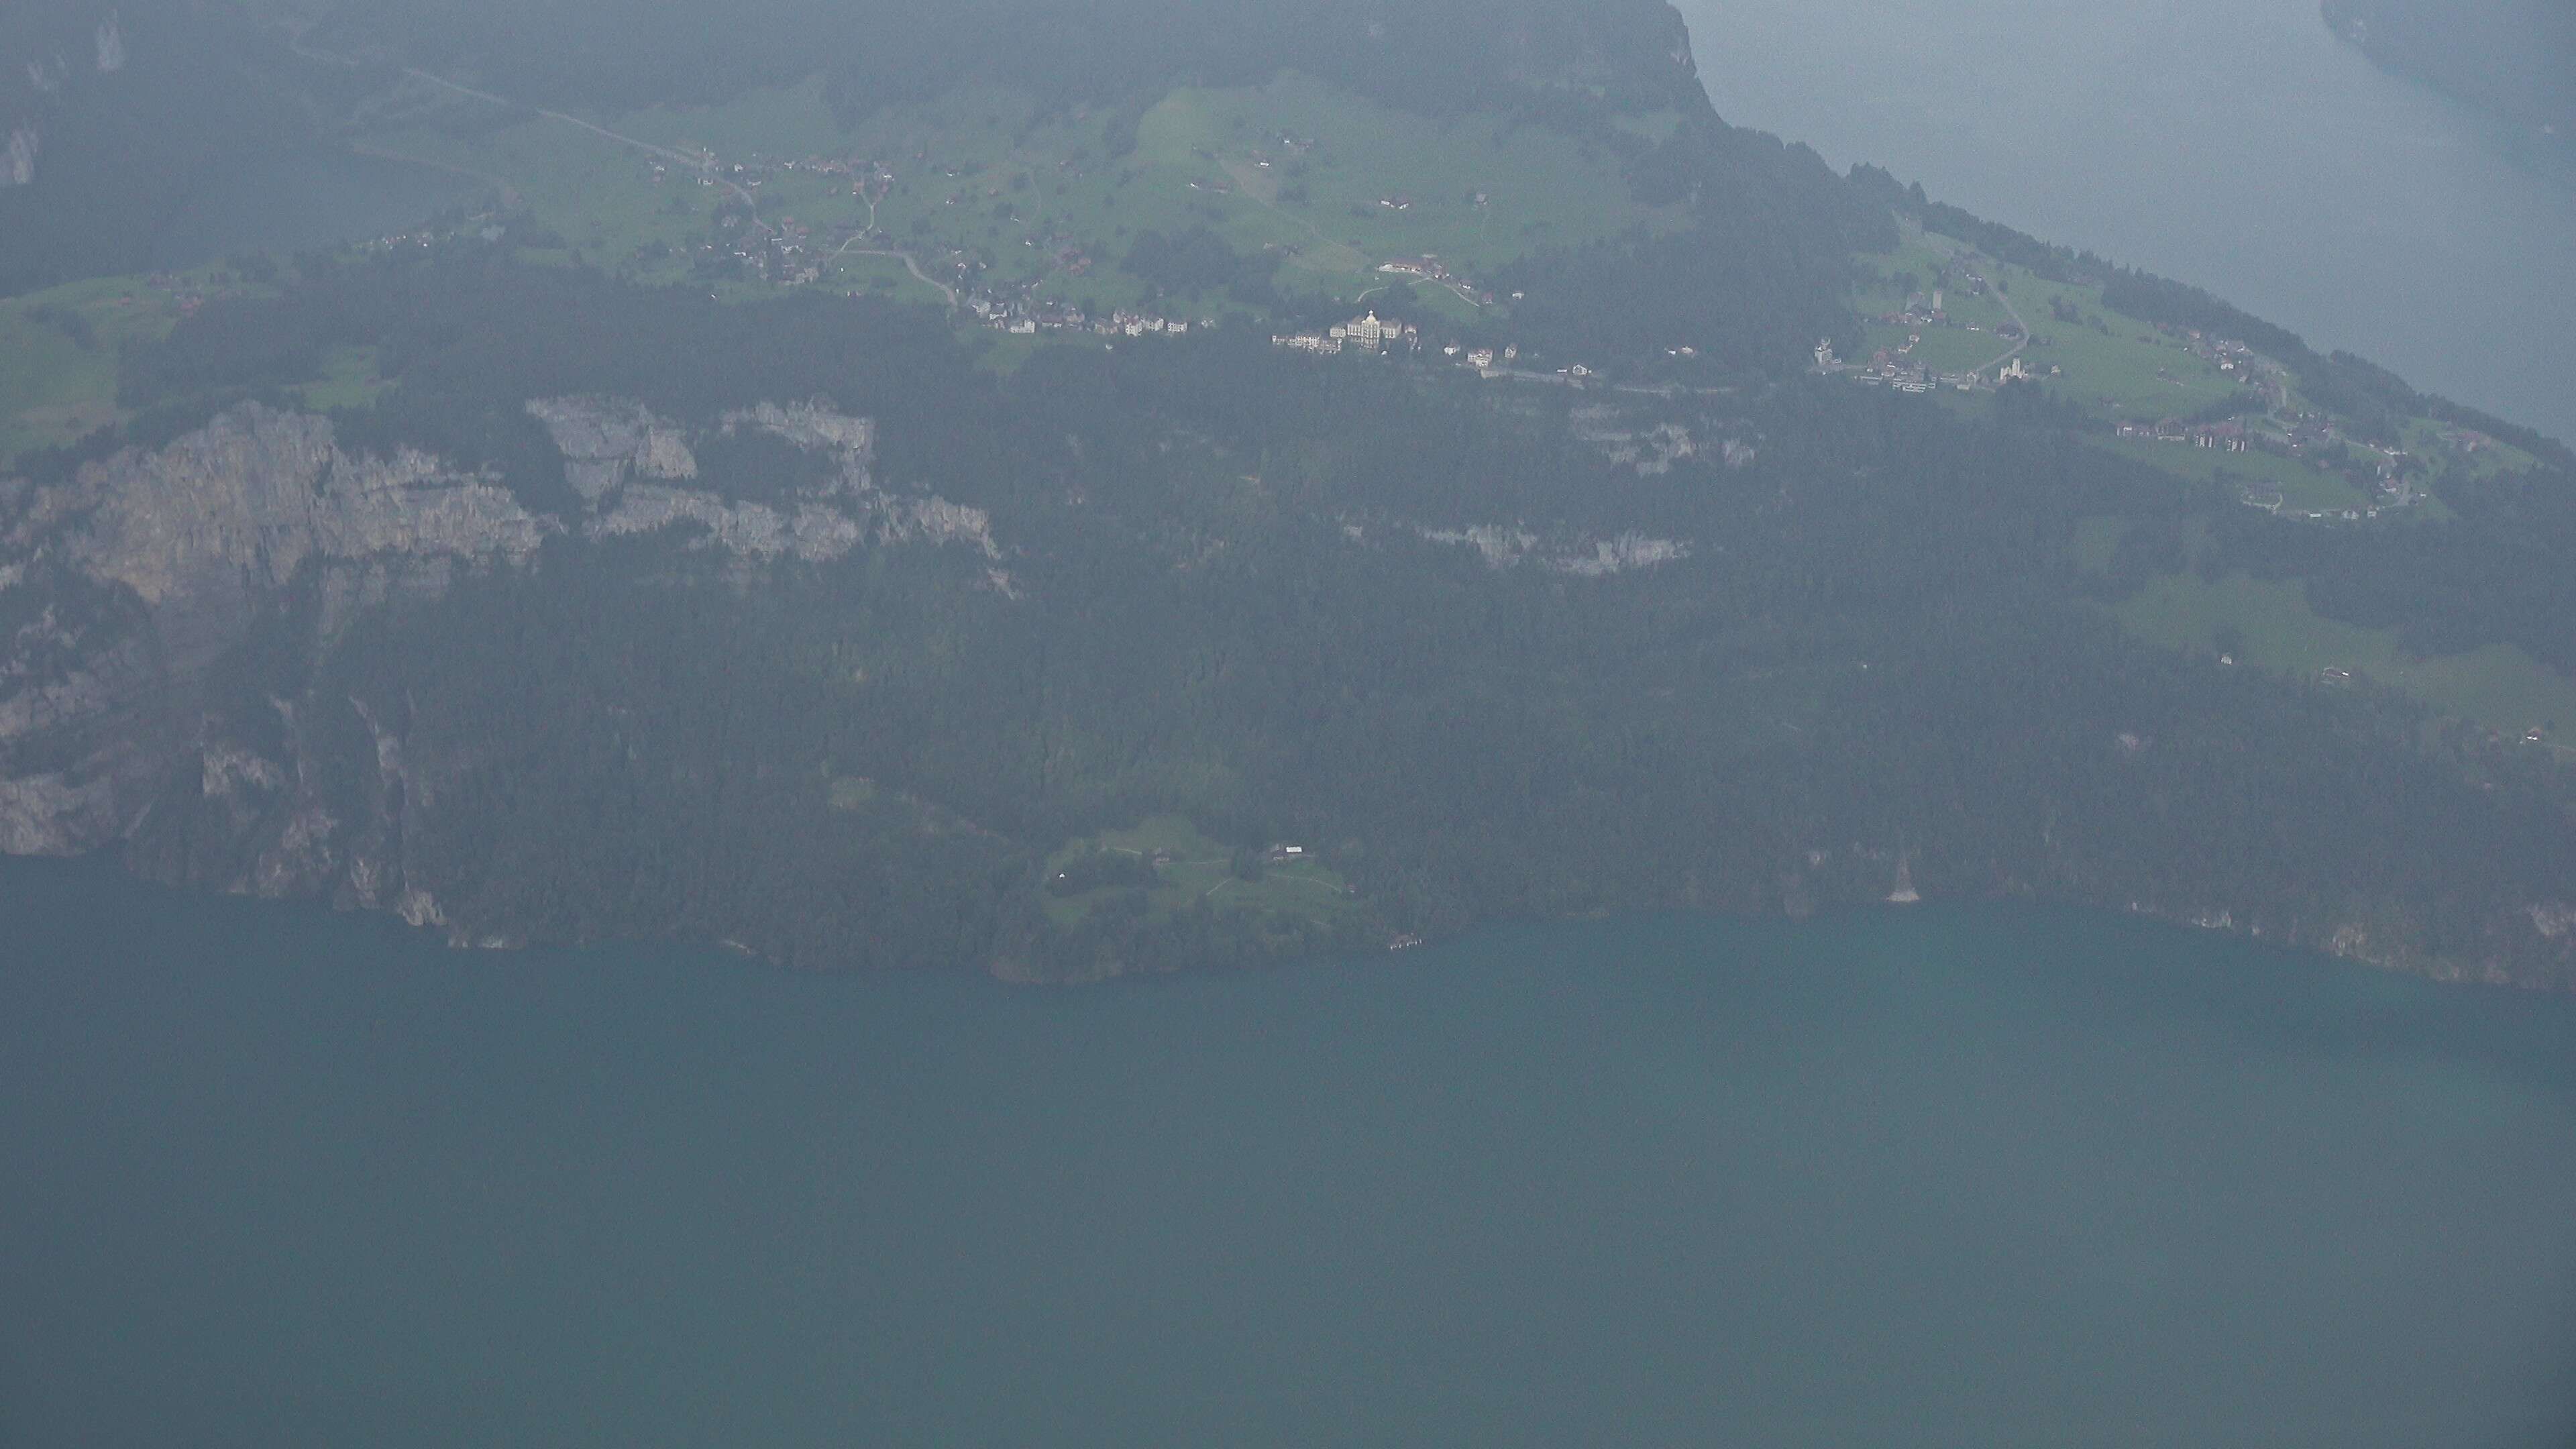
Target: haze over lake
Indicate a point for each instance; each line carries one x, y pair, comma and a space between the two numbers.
2234, 144
1956, 1176
306, 200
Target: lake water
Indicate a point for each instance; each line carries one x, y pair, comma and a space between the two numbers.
2236, 144
306, 200
275, 1178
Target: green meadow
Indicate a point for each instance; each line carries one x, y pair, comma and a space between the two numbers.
2121, 369
2113, 366
1186, 869
2498, 686
2303, 486
58, 356
1327, 185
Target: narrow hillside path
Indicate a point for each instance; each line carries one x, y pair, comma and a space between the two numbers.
510, 198
295, 42
909, 265
2014, 313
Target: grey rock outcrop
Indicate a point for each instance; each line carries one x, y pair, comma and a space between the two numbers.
18, 160
261, 492
1583, 557
129, 593
111, 46
606, 441
127, 586
627, 463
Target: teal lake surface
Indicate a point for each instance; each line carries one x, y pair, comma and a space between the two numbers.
1956, 1176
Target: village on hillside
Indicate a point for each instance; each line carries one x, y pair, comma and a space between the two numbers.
1947, 322
1009, 233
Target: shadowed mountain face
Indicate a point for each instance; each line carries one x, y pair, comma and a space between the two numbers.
111, 126
2516, 57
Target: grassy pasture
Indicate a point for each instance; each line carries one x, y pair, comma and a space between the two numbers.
2145, 376
2498, 686
1292, 169
58, 355
1199, 870
1334, 161
349, 380
2422, 438
1943, 349
2303, 486
2121, 369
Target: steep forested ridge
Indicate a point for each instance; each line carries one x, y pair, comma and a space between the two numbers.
815, 624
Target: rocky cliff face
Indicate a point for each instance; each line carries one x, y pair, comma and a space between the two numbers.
18, 161
254, 495
122, 590
628, 465
129, 596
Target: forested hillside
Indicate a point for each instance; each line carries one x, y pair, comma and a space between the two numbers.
892, 487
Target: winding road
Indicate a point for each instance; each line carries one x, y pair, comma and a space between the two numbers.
2015, 314
909, 265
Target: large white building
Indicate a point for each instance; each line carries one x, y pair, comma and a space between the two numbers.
1370, 334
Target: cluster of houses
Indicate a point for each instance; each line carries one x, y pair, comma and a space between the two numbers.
1485, 359
1917, 312
1025, 317
2227, 353
187, 295
1371, 334
2228, 437
1367, 333
1897, 368
1432, 269
1885, 368
2392, 488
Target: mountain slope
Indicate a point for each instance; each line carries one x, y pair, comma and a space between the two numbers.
605, 566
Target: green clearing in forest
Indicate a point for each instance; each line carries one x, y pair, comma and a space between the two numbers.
349, 379
2302, 486
2498, 686
58, 355
1176, 867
